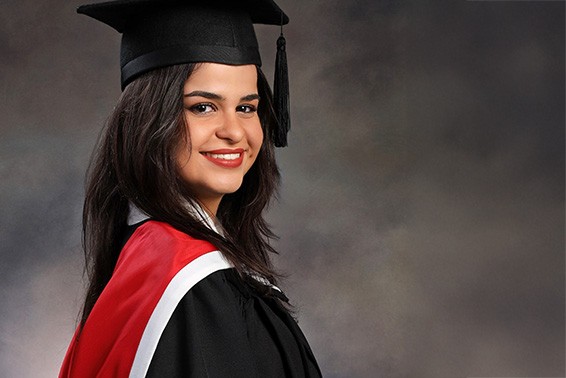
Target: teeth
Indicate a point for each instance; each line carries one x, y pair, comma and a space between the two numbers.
224, 156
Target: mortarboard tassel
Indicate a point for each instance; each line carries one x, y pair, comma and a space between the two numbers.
281, 94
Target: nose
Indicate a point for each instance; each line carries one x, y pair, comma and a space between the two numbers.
231, 128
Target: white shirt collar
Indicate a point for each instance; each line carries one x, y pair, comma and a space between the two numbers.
136, 215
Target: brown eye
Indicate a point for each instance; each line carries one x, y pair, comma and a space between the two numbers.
246, 109
202, 108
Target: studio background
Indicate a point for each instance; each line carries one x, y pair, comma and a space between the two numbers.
421, 211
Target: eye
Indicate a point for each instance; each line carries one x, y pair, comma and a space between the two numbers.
246, 108
202, 108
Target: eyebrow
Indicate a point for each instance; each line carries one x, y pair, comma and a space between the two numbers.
250, 97
214, 96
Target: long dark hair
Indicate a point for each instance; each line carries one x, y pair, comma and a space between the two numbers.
135, 162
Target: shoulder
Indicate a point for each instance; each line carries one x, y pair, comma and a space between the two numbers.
153, 234
156, 268
158, 245
158, 257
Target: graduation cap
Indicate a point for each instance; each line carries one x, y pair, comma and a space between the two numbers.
160, 33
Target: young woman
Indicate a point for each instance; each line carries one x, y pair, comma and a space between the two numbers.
181, 283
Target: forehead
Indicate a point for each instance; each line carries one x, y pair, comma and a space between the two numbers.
220, 78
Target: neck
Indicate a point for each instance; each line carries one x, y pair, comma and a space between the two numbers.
210, 205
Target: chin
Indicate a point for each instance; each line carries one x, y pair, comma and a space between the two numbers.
228, 187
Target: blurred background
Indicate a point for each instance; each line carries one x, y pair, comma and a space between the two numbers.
421, 212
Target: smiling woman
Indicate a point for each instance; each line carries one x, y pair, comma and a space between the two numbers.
177, 250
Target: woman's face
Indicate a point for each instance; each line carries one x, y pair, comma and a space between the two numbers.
225, 133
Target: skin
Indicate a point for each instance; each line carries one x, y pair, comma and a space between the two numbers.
221, 115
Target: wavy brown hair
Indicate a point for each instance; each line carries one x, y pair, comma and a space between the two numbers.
135, 162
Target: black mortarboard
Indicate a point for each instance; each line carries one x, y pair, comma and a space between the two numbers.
159, 33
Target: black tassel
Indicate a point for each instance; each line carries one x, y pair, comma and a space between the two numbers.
281, 95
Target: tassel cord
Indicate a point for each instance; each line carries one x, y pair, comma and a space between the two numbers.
281, 94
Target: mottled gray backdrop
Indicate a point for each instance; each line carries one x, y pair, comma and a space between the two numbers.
422, 207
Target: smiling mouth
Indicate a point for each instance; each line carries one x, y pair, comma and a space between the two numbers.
223, 156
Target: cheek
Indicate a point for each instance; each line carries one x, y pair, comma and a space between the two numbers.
198, 133
256, 137
183, 153
182, 158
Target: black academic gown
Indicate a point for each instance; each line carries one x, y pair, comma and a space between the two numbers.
225, 328
175, 307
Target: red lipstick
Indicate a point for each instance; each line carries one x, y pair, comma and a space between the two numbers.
225, 157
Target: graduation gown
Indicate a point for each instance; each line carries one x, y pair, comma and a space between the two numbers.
175, 307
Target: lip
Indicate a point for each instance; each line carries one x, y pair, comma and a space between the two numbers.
225, 163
